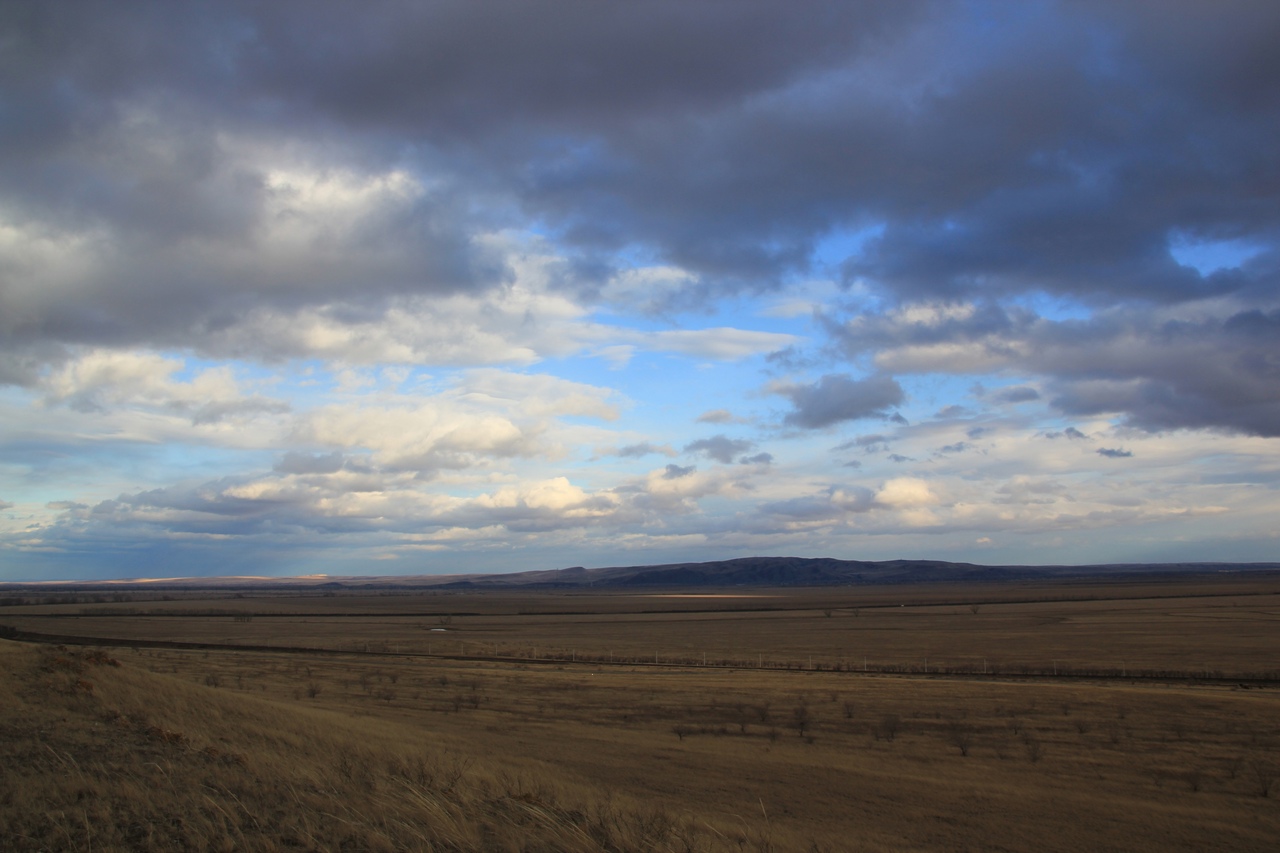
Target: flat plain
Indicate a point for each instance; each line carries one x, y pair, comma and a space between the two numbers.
1055, 715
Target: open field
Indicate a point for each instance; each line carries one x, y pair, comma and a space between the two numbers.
906, 718
1224, 626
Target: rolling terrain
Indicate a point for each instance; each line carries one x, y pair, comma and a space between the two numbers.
1121, 711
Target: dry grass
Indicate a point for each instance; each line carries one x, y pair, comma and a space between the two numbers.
265, 750
1227, 627
102, 756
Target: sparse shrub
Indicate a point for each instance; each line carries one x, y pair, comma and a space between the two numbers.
961, 737
313, 690
1033, 748
1263, 775
97, 657
212, 680
890, 724
800, 719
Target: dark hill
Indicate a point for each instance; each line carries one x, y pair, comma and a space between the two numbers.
824, 571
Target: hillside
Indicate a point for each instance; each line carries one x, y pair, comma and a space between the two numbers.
100, 755
825, 571
743, 571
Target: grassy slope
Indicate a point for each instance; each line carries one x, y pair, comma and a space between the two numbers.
100, 756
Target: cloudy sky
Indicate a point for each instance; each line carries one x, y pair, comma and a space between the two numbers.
320, 287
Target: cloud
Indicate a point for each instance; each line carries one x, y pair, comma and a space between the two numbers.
838, 397
1015, 394
728, 146
719, 344
832, 503
912, 499
1114, 453
644, 448
1199, 367
721, 448
675, 491
98, 380
1070, 204
306, 463
486, 415
214, 413
1023, 491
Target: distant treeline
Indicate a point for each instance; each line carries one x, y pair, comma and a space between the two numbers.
66, 598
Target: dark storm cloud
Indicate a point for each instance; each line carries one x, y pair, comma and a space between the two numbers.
1216, 372
139, 123
721, 448
1000, 148
836, 397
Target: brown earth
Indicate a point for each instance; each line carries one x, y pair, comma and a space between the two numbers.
925, 718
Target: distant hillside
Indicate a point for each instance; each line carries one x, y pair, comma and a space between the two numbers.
822, 571
743, 571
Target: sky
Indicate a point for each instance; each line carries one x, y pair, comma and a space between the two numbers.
310, 287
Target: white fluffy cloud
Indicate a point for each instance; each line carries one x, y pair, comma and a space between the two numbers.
102, 379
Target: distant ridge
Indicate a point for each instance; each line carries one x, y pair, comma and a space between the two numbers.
743, 571
823, 571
